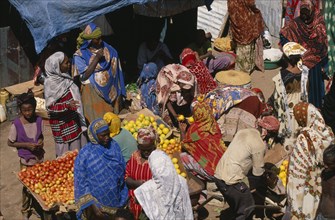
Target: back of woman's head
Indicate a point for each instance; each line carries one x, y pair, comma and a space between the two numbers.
329, 156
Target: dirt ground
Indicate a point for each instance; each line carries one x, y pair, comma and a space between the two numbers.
11, 188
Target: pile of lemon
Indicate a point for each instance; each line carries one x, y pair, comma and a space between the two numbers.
176, 166
283, 171
145, 121
170, 146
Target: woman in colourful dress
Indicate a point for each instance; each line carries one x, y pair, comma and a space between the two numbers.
97, 65
99, 170
176, 88
309, 31
137, 169
305, 166
290, 89
191, 60
147, 85
203, 142
63, 102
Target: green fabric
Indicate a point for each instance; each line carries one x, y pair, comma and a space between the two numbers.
127, 143
201, 50
82, 36
195, 136
330, 26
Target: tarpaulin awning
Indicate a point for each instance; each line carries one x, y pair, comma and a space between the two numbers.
49, 18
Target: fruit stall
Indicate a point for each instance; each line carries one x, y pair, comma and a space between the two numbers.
52, 182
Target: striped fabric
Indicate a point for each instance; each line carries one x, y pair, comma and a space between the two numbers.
137, 170
64, 121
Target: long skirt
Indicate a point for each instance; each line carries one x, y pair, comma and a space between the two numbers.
316, 85
94, 106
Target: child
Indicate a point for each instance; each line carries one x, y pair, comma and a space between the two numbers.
326, 206
26, 135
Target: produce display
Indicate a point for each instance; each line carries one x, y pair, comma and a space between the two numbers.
177, 167
143, 121
283, 171
52, 181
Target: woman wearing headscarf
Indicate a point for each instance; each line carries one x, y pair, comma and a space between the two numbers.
304, 182
203, 142
147, 85
99, 171
191, 60
310, 32
290, 89
63, 102
123, 137
166, 195
97, 65
176, 88
247, 25
137, 169
234, 108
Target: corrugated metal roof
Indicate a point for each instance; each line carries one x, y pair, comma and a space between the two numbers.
211, 21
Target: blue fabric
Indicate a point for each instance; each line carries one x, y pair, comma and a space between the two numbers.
48, 18
99, 172
114, 85
147, 81
316, 85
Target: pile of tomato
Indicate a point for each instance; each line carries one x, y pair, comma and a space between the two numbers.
52, 180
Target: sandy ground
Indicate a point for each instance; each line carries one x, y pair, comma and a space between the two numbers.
10, 187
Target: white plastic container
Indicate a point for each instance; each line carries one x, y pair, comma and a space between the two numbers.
2, 114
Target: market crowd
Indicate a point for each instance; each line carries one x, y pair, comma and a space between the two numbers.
234, 126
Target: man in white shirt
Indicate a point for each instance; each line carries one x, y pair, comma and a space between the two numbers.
245, 152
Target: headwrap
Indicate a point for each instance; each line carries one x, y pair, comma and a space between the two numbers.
293, 48
96, 127
148, 73
146, 135
56, 83
304, 183
269, 123
90, 32
166, 195
26, 98
114, 123
167, 86
187, 57
300, 113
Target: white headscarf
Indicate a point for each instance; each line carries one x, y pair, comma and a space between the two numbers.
166, 195
56, 83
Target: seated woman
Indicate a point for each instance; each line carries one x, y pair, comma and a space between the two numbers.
166, 195
290, 89
304, 182
123, 137
176, 88
147, 85
99, 171
203, 142
234, 108
137, 169
203, 47
191, 60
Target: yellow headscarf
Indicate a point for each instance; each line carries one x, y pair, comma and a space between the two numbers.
114, 123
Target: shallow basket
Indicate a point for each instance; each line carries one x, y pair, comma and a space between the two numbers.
270, 65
